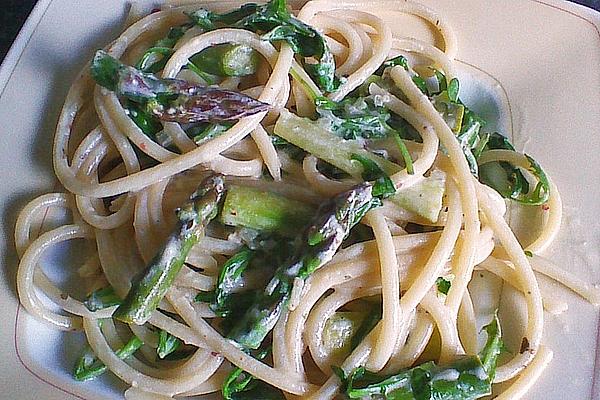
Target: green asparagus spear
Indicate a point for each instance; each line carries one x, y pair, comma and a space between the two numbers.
227, 60
151, 286
331, 225
88, 366
172, 99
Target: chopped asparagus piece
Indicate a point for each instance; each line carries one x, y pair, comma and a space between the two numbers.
424, 198
263, 211
317, 140
227, 60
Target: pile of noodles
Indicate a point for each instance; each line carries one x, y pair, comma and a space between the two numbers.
123, 207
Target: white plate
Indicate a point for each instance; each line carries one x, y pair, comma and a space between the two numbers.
540, 58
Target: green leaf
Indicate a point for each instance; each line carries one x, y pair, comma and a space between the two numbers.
156, 57
466, 378
205, 297
204, 19
167, 344
403, 62
408, 162
460, 380
323, 73
354, 118
452, 112
392, 62
493, 347
453, 89
383, 186
441, 79
230, 279
240, 385
105, 70
509, 181
89, 367
204, 132
421, 84
102, 298
443, 285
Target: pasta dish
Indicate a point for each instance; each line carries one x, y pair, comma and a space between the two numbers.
290, 201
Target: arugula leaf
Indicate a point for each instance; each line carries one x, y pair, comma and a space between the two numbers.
354, 118
466, 378
240, 385
404, 152
460, 380
156, 57
452, 90
102, 298
204, 132
203, 18
293, 151
167, 344
417, 79
383, 186
493, 347
89, 367
230, 278
509, 181
441, 79
323, 73
443, 285
360, 117
463, 121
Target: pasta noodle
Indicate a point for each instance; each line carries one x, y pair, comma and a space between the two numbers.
439, 225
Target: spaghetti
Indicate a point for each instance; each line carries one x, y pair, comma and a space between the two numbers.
392, 295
